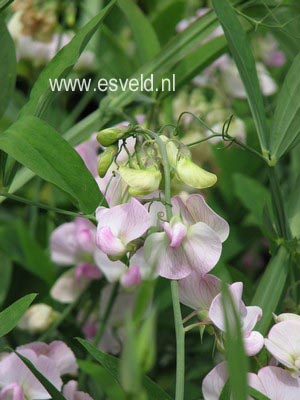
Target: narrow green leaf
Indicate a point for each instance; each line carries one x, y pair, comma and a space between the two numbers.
35, 144
51, 389
112, 364
4, 4
226, 392
257, 395
8, 66
285, 132
10, 317
60, 65
234, 348
270, 288
241, 52
5, 276
144, 35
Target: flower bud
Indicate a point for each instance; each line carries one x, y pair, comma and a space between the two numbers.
141, 181
192, 175
109, 136
38, 318
106, 159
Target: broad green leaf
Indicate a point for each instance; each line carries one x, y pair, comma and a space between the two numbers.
253, 195
35, 144
8, 66
60, 65
10, 317
111, 364
100, 375
270, 288
241, 52
285, 132
51, 389
257, 395
237, 362
5, 276
20, 246
144, 35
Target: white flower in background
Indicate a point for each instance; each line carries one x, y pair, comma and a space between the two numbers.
283, 343
38, 318
286, 317
253, 340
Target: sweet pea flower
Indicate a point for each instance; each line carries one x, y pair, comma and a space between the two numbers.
88, 151
214, 382
198, 291
71, 393
276, 383
191, 241
119, 226
283, 343
38, 318
253, 340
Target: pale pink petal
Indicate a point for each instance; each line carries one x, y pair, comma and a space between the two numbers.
253, 315
283, 343
12, 392
176, 233
169, 263
71, 393
89, 271
67, 287
113, 187
276, 383
63, 244
202, 248
85, 233
139, 259
110, 243
88, 151
214, 382
201, 212
127, 221
253, 343
113, 270
131, 277
198, 291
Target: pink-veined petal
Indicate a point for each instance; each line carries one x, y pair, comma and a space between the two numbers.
109, 243
113, 270
214, 382
253, 343
63, 244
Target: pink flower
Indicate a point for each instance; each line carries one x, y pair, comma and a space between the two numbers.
88, 151
119, 226
198, 291
73, 243
191, 241
71, 393
249, 316
214, 382
283, 343
276, 383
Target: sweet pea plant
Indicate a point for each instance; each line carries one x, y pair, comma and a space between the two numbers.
150, 240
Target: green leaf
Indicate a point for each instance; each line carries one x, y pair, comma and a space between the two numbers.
10, 317
35, 144
257, 395
112, 364
4, 4
20, 246
234, 348
226, 392
241, 52
144, 35
8, 67
253, 195
285, 132
100, 375
51, 389
270, 288
60, 65
5, 276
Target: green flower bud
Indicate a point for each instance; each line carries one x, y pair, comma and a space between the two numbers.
109, 136
192, 175
141, 181
106, 159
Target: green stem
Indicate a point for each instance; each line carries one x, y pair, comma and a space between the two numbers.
46, 207
179, 329
103, 321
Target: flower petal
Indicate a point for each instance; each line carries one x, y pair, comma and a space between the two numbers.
253, 343
214, 382
63, 244
112, 270
109, 243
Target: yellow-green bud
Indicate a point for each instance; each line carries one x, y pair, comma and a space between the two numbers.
109, 136
106, 159
192, 175
141, 181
